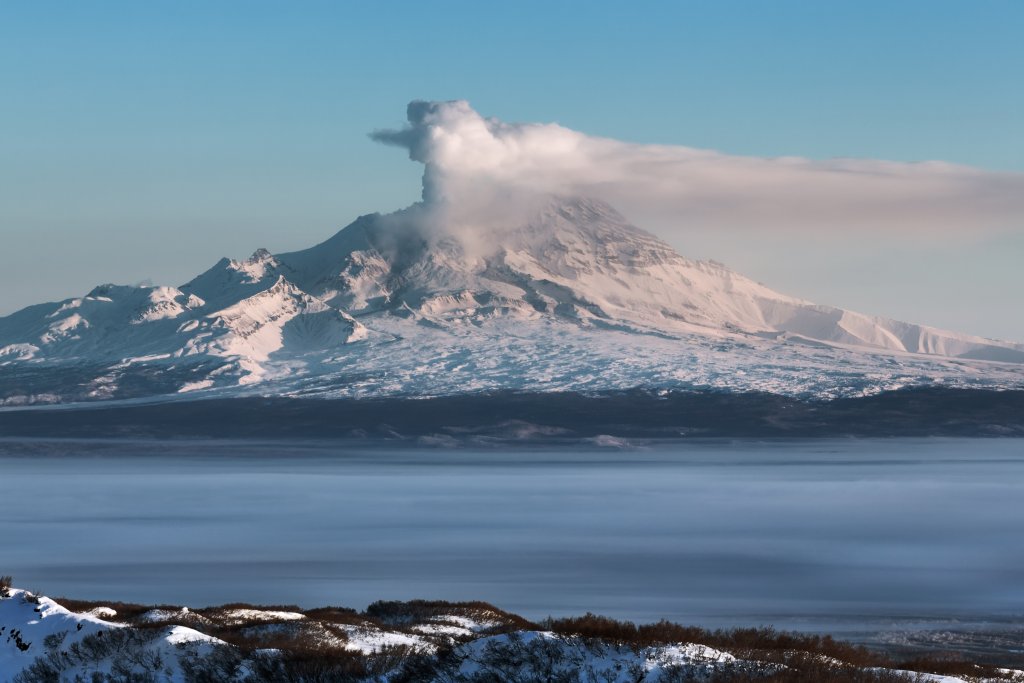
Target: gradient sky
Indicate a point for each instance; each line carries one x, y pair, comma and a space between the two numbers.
144, 140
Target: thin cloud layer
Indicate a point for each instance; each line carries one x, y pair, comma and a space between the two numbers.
480, 169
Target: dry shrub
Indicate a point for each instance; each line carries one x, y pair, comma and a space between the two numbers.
952, 666
335, 615
398, 613
126, 611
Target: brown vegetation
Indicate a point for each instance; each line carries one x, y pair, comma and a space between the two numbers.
797, 653
312, 649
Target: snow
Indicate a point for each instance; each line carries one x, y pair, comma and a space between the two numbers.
178, 635
195, 386
449, 630
37, 632
455, 626
37, 628
618, 664
574, 299
183, 615
163, 614
20, 352
1008, 675
371, 639
930, 678
27, 621
245, 616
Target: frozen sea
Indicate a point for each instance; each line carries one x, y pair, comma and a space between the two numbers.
838, 535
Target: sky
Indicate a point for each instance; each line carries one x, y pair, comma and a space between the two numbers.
140, 142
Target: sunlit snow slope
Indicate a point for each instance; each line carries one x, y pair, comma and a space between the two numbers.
576, 298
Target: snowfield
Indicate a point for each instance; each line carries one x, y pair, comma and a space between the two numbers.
576, 299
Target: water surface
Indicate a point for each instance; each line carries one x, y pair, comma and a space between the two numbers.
811, 534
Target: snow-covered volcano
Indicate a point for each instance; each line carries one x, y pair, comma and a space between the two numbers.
574, 298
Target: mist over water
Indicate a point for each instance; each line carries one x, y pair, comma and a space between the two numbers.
717, 533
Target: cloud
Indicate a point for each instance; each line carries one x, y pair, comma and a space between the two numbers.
478, 168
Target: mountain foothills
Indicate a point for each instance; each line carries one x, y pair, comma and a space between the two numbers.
573, 298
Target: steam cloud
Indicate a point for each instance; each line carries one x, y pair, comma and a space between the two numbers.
478, 170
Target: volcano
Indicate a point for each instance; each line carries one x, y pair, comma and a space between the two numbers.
574, 298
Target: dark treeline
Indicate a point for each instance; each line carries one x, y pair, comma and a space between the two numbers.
540, 417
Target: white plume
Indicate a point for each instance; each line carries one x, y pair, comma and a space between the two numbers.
482, 169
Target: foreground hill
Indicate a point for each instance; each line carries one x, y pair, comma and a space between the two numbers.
66, 640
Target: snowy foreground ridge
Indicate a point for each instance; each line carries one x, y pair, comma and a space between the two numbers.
573, 299
41, 640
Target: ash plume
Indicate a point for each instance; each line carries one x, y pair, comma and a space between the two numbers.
483, 173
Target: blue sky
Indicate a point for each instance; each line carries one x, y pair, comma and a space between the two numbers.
145, 140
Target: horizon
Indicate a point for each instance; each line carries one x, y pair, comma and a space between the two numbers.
185, 134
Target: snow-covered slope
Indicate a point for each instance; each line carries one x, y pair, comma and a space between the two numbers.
574, 298
417, 642
42, 640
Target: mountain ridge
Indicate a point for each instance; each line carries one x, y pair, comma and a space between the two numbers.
574, 287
